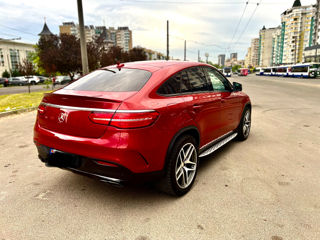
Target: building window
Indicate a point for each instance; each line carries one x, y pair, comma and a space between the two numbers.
1, 58
14, 57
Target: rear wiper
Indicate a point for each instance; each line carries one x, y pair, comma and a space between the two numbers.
108, 70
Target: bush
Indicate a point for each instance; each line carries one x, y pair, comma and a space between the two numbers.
5, 74
15, 73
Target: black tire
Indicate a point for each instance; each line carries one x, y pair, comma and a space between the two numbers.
245, 121
169, 184
33, 83
312, 74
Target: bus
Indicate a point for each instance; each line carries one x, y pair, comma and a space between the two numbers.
227, 71
305, 70
243, 71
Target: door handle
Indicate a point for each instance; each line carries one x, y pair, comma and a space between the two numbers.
196, 107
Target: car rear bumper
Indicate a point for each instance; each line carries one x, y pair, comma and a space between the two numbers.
137, 151
102, 170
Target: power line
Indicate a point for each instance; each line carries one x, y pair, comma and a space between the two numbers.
18, 30
8, 34
245, 28
237, 27
197, 42
192, 2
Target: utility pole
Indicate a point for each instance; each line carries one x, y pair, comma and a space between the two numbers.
316, 29
167, 40
198, 55
83, 44
185, 50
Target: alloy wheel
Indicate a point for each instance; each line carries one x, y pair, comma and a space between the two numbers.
186, 165
246, 124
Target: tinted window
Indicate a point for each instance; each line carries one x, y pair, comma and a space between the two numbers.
198, 80
113, 80
300, 69
219, 83
179, 83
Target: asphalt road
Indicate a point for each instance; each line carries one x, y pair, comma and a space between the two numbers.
24, 89
264, 188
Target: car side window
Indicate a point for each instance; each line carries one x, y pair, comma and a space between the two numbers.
179, 83
198, 80
219, 83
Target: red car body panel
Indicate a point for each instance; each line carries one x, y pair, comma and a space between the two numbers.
139, 150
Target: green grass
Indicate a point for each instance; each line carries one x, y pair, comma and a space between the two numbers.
19, 101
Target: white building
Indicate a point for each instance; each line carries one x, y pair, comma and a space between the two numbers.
12, 53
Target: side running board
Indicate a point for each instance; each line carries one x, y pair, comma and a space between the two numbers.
218, 145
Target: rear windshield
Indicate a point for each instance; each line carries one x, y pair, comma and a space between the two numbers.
112, 80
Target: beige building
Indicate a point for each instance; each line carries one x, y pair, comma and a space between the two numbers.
124, 38
73, 29
12, 53
251, 59
266, 46
247, 60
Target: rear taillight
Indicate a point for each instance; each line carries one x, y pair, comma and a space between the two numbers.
41, 109
133, 119
100, 117
125, 119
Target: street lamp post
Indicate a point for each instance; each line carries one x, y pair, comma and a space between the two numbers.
84, 55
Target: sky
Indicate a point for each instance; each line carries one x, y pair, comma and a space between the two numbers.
208, 26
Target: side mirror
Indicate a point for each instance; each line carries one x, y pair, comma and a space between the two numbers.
237, 86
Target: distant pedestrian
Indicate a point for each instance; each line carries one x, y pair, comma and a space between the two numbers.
53, 82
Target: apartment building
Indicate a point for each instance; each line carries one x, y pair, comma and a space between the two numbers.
298, 30
221, 59
247, 59
121, 37
73, 29
124, 38
265, 56
252, 56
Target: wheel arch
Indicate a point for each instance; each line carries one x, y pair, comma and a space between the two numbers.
190, 130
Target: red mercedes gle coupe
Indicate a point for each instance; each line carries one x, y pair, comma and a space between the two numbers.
142, 121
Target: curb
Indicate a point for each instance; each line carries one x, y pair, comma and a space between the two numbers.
4, 114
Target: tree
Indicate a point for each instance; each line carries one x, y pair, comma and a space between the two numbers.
95, 51
60, 54
26, 68
15, 73
235, 68
34, 57
5, 74
69, 56
137, 54
113, 55
47, 50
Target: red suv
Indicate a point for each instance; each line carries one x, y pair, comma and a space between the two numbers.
142, 121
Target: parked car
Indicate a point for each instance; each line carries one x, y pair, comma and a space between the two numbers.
16, 81
62, 79
152, 120
33, 80
42, 78
3, 80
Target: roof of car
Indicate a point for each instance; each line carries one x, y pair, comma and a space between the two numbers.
156, 65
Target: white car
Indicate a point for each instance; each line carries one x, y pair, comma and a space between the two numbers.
32, 79
62, 79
